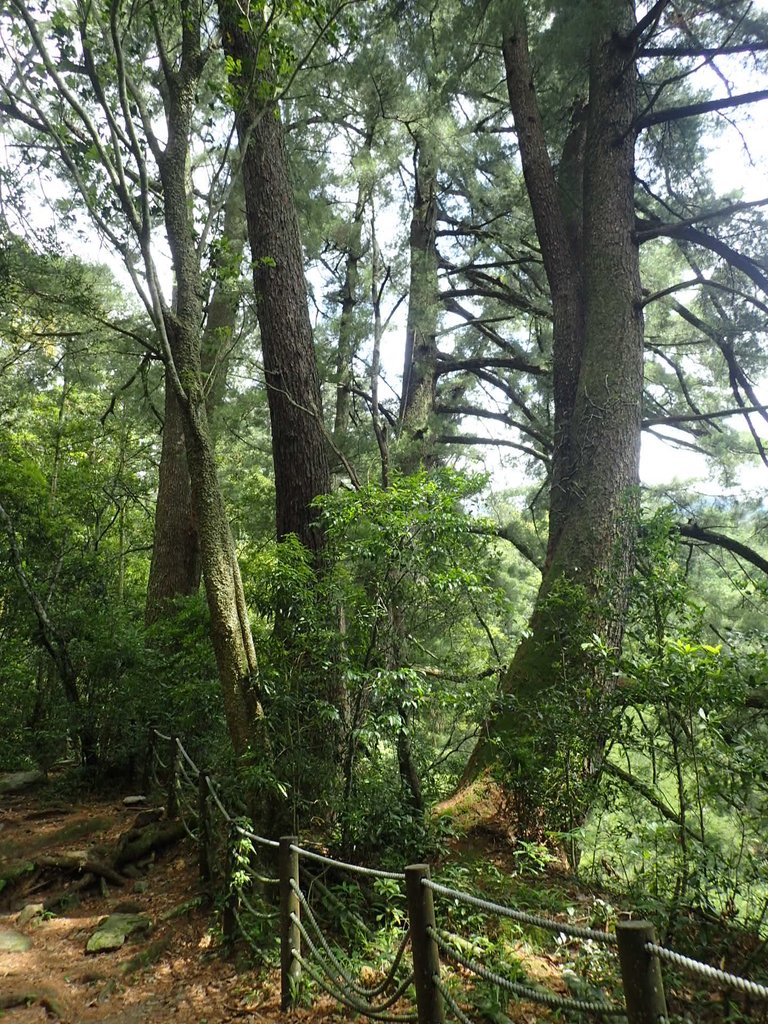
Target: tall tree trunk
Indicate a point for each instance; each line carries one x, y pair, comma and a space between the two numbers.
221, 316
175, 569
420, 363
349, 338
544, 747
299, 445
181, 337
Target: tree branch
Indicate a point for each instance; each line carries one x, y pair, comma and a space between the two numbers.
668, 114
652, 797
693, 531
500, 441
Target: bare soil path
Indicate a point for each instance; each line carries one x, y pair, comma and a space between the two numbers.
173, 974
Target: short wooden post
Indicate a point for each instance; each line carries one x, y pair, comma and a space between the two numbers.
203, 829
228, 912
640, 973
172, 799
426, 956
290, 936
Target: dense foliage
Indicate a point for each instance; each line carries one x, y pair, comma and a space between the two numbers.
485, 266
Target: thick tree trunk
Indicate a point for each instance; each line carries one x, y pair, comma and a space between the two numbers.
299, 445
557, 211
545, 731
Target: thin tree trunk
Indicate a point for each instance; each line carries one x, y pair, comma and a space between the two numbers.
175, 569
348, 331
180, 329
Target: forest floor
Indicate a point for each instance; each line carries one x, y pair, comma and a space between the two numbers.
178, 972
175, 974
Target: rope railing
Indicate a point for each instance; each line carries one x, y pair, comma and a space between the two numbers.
337, 977
750, 988
363, 990
345, 1000
356, 869
534, 995
548, 923
639, 955
261, 840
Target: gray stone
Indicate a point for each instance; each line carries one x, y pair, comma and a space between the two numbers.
29, 913
12, 941
115, 929
134, 801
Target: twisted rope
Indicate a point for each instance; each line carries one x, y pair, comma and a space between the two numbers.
533, 994
338, 977
191, 780
263, 915
186, 756
257, 949
518, 915
331, 898
261, 879
224, 812
192, 835
361, 990
349, 1001
752, 988
354, 868
183, 776
257, 839
453, 1006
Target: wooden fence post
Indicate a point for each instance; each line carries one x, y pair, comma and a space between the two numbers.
203, 829
290, 936
640, 973
426, 956
172, 800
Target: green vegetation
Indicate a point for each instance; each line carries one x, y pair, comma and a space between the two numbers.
226, 513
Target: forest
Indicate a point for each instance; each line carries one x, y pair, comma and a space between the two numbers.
330, 332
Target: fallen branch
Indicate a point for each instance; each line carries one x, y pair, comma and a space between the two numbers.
138, 843
73, 862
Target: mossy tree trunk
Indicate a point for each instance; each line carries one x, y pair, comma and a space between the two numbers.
546, 729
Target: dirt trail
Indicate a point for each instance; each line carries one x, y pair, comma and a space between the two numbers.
185, 982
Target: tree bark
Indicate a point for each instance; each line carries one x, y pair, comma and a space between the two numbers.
420, 363
546, 748
230, 627
299, 444
175, 567
348, 331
